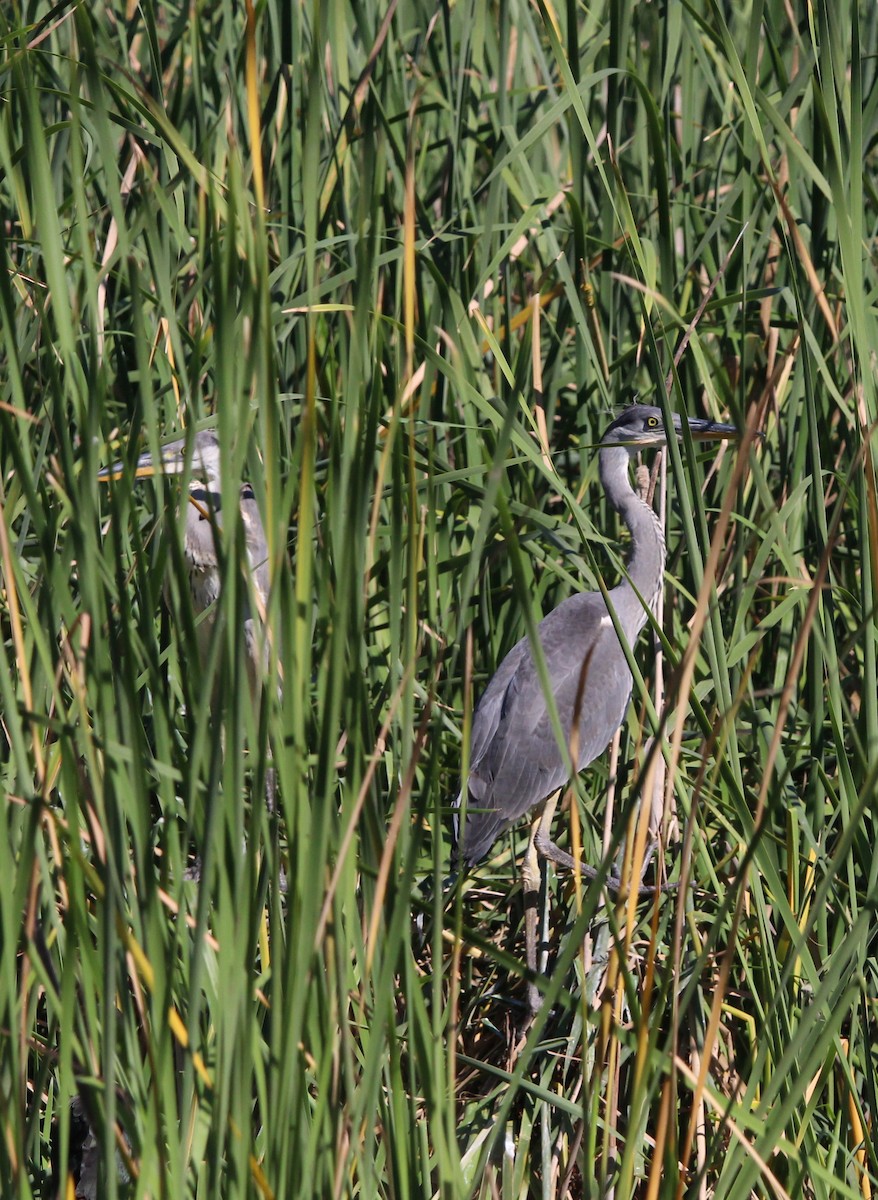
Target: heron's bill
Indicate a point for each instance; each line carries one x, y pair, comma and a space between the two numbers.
713, 431
142, 470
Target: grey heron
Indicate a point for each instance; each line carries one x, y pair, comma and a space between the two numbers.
199, 458
201, 541
516, 764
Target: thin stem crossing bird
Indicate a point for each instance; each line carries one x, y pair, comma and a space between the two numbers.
516, 763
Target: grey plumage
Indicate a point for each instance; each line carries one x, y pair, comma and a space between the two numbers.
515, 760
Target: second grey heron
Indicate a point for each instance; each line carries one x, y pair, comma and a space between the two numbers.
516, 764
201, 542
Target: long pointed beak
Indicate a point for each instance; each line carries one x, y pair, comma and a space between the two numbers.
172, 462
107, 474
141, 471
704, 430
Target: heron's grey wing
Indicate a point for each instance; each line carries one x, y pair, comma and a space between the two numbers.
487, 721
515, 760
594, 681
491, 708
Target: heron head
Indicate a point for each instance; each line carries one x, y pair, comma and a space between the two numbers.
202, 460
643, 425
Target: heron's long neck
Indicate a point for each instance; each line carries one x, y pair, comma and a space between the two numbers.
647, 565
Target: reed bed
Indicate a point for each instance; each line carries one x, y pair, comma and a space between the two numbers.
408, 261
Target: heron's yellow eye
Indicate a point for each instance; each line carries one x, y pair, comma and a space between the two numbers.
652, 422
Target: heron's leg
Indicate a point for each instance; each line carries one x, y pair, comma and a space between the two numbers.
271, 791
648, 855
530, 884
532, 877
549, 850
